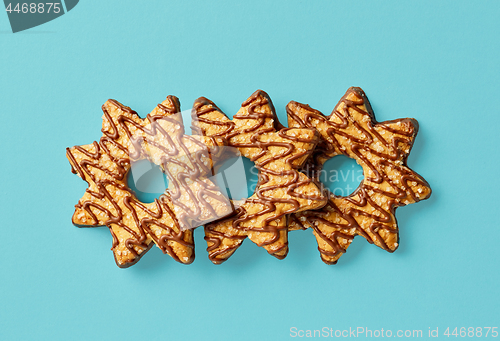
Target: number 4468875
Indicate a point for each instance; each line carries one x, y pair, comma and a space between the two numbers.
35, 7
472, 332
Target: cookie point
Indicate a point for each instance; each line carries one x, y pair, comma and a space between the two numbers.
255, 95
260, 92
357, 90
174, 102
201, 102
170, 106
280, 257
115, 103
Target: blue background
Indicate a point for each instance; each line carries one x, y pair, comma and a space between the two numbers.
434, 61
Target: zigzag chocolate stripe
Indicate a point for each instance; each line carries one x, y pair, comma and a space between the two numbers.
382, 150
170, 152
258, 140
141, 234
108, 200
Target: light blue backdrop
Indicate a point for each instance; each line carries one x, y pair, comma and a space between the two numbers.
434, 61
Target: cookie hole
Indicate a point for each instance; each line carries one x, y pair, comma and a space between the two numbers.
341, 175
147, 181
237, 176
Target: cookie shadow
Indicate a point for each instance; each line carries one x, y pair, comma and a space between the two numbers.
404, 216
417, 149
248, 256
153, 261
354, 253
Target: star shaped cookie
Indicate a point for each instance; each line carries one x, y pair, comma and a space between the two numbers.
278, 153
190, 200
382, 150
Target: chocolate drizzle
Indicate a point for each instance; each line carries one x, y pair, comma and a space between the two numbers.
382, 150
108, 201
257, 133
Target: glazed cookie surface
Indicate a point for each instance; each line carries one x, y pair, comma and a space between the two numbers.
191, 199
278, 153
382, 150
